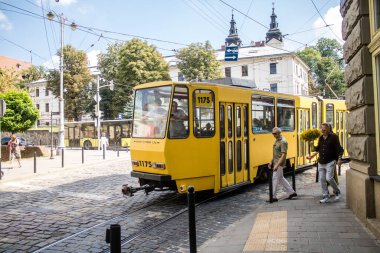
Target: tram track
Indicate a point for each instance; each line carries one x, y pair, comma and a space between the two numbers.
143, 231
106, 222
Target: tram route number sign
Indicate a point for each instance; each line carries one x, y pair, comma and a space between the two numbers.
204, 100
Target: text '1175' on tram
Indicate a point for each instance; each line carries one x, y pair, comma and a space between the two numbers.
217, 137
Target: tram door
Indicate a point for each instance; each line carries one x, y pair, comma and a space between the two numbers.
233, 143
303, 124
341, 128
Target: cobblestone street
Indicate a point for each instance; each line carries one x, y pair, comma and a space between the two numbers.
81, 203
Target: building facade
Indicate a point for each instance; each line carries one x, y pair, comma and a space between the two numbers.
45, 102
360, 30
13, 64
265, 64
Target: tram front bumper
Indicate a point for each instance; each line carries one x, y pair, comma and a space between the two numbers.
152, 177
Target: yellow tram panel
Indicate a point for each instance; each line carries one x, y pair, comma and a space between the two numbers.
239, 146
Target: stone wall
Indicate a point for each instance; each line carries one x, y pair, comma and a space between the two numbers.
360, 102
38, 137
26, 152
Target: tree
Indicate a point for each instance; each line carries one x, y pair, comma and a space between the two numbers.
76, 81
198, 62
329, 48
326, 69
128, 64
20, 114
8, 79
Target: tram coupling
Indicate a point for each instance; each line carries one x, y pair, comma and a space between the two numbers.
129, 190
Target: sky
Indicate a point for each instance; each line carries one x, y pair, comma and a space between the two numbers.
26, 34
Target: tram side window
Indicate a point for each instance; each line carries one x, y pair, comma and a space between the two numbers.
285, 114
262, 114
204, 113
179, 115
330, 114
314, 115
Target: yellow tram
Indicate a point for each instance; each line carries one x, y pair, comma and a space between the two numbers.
215, 137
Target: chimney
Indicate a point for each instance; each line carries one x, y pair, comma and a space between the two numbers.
223, 47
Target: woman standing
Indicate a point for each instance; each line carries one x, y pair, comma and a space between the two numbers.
14, 149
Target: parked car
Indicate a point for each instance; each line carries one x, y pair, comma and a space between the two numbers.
22, 141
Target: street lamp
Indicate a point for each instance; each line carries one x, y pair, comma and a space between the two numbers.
73, 26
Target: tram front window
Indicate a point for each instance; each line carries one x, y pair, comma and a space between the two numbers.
151, 112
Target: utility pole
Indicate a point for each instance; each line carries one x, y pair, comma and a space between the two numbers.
98, 109
61, 101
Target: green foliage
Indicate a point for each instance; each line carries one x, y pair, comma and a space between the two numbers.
32, 74
329, 48
310, 135
128, 64
20, 114
8, 79
324, 61
198, 62
76, 80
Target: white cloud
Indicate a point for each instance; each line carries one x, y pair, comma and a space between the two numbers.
333, 18
67, 2
93, 57
60, 2
52, 63
4, 22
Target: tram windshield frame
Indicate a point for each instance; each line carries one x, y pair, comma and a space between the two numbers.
150, 113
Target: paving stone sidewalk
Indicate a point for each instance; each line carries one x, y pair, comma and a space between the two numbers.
45, 165
308, 227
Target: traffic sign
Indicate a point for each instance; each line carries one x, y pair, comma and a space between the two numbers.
231, 53
120, 116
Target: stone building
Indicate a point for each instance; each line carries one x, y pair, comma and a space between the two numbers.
360, 30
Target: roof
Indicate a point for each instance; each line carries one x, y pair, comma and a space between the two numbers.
15, 64
244, 53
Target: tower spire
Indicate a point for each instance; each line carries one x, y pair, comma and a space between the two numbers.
273, 32
233, 37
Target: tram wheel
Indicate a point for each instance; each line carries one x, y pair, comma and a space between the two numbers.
87, 145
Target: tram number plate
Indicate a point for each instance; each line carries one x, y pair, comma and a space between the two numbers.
145, 164
203, 100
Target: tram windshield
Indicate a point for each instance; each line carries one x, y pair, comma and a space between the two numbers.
151, 112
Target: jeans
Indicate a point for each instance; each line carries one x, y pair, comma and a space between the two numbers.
278, 177
326, 174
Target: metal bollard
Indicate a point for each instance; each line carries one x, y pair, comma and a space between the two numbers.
192, 228
339, 170
113, 236
1, 172
317, 175
82, 155
118, 152
294, 178
35, 162
270, 181
104, 152
63, 158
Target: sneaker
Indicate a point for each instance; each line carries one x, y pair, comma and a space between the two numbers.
337, 196
294, 194
324, 200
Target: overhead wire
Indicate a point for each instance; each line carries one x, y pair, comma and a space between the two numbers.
206, 17
324, 21
46, 34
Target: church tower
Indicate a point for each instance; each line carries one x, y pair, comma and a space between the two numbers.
274, 35
233, 38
